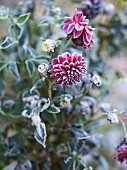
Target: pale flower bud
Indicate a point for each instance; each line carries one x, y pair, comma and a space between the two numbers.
64, 102
96, 80
49, 45
43, 68
112, 117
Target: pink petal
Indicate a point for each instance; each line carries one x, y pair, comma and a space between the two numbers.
61, 59
89, 29
88, 37
78, 17
76, 33
68, 57
55, 61
79, 27
65, 27
70, 28
68, 21
59, 80
86, 43
85, 22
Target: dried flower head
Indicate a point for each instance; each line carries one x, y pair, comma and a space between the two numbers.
112, 117
43, 69
68, 69
49, 45
77, 28
96, 80
122, 151
64, 102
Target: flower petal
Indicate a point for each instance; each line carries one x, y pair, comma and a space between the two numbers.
70, 28
79, 27
76, 33
55, 61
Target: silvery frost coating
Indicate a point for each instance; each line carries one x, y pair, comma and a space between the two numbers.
77, 27
49, 45
68, 69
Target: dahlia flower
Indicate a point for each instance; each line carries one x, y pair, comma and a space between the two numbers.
122, 151
77, 28
68, 69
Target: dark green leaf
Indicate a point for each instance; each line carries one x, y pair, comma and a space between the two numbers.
14, 69
7, 43
40, 134
53, 109
80, 133
44, 23
38, 84
15, 31
30, 67
23, 18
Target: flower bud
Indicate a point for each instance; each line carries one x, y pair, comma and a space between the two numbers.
43, 69
64, 102
49, 45
96, 80
112, 117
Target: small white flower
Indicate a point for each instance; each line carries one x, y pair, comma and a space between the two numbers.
112, 117
49, 45
43, 68
64, 102
96, 80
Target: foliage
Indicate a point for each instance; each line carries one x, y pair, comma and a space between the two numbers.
44, 125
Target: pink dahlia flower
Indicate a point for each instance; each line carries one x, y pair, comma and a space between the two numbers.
122, 151
68, 69
77, 27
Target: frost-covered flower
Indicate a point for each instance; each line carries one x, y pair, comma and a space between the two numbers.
43, 69
49, 45
96, 80
77, 28
68, 69
91, 8
112, 117
122, 151
64, 102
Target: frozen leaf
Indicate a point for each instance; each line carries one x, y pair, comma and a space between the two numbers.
30, 67
23, 18
40, 134
67, 159
15, 31
26, 114
80, 134
3, 64
38, 84
14, 70
7, 43
11, 166
53, 109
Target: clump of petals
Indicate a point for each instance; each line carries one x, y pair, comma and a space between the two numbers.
77, 28
68, 69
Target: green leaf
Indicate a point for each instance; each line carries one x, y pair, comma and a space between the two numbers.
23, 18
58, 42
53, 109
14, 70
15, 31
11, 166
44, 23
30, 67
40, 133
7, 43
80, 134
38, 84
3, 64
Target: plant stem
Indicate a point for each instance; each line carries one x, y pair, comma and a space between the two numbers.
68, 42
124, 128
